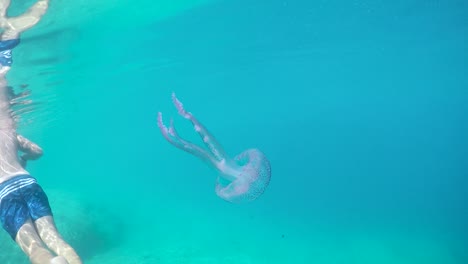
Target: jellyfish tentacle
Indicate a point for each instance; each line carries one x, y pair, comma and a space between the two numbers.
171, 135
227, 171
209, 140
189, 146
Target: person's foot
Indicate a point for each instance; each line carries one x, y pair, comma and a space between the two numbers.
25, 21
58, 260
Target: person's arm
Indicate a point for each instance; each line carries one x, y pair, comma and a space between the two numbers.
31, 150
14, 26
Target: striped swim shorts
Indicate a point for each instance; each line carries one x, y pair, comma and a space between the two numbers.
21, 198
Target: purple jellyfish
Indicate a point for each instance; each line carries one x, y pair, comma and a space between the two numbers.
241, 179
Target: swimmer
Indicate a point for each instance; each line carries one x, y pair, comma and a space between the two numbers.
25, 212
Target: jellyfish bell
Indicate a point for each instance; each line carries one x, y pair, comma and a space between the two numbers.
248, 177
242, 179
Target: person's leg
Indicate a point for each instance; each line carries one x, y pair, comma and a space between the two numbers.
30, 242
13, 26
4, 4
41, 214
54, 241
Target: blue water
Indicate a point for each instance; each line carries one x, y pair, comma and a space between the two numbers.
360, 106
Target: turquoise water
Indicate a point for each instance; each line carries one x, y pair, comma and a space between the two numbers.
361, 107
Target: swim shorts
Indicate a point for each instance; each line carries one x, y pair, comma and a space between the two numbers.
5, 51
21, 198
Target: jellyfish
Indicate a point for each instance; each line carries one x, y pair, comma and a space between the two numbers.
241, 179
